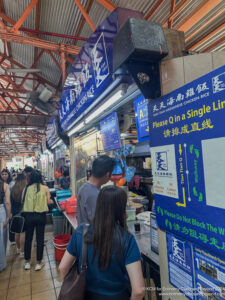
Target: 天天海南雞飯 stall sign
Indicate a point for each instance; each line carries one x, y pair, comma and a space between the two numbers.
52, 131
92, 71
110, 133
180, 265
141, 115
187, 140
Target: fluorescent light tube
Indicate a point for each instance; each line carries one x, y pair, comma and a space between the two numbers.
57, 144
75, 129
104, 106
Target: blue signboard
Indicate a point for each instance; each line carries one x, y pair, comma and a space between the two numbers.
180, 265
187, 142
209, 275
110, 133
141, 114
51, 131
91, 73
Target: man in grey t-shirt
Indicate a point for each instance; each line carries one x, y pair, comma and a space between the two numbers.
87, 197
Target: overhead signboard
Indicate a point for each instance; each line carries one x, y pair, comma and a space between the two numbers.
187, 140
141, 114
51, 132
180, 265
110, 133
90, 74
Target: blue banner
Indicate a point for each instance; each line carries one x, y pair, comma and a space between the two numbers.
209, 275
187, 140
180, 265
51, 131
91, 73
110, 133
141, 114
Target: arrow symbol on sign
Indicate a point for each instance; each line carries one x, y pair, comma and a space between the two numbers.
187, 171
180, 149
184, 199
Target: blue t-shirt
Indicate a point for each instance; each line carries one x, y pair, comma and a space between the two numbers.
110, 281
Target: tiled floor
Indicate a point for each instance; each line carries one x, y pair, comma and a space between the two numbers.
18, 284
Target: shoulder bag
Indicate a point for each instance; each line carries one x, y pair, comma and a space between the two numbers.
17, 222
74, 284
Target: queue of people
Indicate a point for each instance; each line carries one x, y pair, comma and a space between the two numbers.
31, 197
113, 257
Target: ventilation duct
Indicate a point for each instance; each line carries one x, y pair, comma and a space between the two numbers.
45, 107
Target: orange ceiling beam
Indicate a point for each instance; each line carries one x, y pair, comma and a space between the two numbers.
54, 59
207, 36
172, 8
37, 23
85, 15
216, 43
82, 22
40, 78
203, 11
63, 68
107, 4
24, 15
152, 11
33, 66
16, 37
205, 24
174, 13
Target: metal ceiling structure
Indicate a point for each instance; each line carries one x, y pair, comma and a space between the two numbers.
48, 34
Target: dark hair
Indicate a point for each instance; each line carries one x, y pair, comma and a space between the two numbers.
9, 175
102, 165
66, 172
35, 177
18, 187
28, 169
109, 224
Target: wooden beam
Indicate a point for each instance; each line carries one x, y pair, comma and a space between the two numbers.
203, 11
207, 36
85, 15
179, 8
24, 15
107, 4
151, 12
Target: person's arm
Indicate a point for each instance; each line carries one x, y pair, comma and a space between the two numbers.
134, 271
49, 200
7, 203
66, 263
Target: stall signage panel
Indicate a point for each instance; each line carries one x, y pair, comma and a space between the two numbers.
187, 140
180, 265
91, 73
51, 132
110, 133
141, 114
209, 275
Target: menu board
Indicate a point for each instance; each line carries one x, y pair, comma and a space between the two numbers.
110, 133
141, 115
187, 142
180, 265
209, 275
